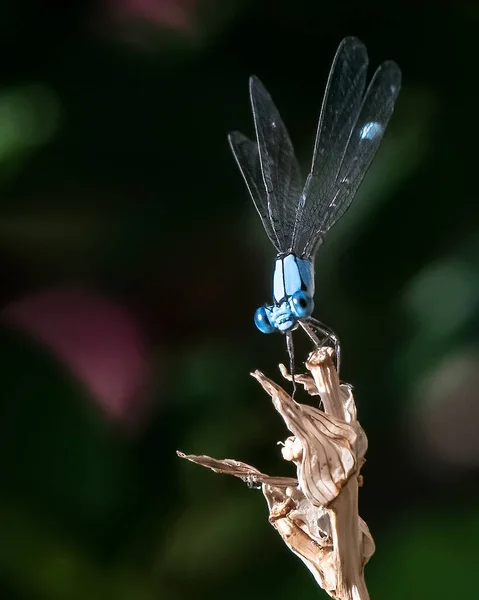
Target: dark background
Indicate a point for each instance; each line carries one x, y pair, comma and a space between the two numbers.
131, 263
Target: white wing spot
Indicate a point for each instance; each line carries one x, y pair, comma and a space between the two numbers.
370, 130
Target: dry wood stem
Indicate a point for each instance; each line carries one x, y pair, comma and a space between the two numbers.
316, 514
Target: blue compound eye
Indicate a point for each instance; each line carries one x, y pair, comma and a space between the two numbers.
261, 320
301, 304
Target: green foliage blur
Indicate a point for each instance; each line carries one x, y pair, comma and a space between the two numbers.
116, 177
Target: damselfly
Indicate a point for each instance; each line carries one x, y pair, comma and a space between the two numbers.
351, 125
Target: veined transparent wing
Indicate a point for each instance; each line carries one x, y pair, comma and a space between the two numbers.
277, 193
246, 154
351, 126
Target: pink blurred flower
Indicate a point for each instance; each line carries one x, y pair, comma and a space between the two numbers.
172, 14
97, 339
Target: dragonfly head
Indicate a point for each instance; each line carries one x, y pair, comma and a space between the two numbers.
262, 319
301, 304
284, 315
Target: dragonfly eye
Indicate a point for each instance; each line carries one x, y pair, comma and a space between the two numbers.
261, 320
301, 304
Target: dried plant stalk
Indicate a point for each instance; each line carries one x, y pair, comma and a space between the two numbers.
316, 514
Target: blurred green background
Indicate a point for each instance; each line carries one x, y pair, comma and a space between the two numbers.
131, 263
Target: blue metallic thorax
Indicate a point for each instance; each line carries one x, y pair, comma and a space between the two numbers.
291, 275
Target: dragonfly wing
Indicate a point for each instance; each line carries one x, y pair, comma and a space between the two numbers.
246, 154
339, 111
350, 129
376, 110
279, 167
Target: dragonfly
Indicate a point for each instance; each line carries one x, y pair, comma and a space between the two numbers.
297, 217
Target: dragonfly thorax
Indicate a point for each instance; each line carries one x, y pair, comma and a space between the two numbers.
293, 289
292, 274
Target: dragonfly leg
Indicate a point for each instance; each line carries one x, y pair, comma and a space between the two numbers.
290, 350
311, 326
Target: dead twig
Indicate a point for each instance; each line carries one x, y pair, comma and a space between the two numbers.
316, 514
